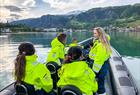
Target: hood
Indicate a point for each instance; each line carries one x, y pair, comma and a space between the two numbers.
31, 58
55, 42
75, 69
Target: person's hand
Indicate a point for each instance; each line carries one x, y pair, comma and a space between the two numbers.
82, 57
67, 59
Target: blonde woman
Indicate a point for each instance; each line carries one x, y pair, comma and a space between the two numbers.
100, 53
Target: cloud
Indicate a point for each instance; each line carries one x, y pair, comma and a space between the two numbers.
61, 4
4, 14
16, 9
15, 15
70, 5
7, 2
29, 3
22, 9
64, 6
13, 8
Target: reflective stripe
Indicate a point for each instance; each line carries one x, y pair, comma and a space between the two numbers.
35, 63
95, 70
58, 62
37, 88
92, 55
96, 67
54, 55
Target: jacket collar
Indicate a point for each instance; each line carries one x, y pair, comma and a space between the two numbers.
31, 58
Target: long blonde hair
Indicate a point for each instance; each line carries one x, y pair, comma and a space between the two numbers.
104, 39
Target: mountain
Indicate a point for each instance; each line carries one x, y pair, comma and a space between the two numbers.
46, 21
117, 16
74, 12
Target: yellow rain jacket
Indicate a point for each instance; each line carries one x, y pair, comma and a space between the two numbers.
99, 54
73, 44
37, 74
56, 52
78, 74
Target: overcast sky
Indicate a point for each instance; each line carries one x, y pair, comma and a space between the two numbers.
22, 9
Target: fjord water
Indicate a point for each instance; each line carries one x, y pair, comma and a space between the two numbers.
126, 43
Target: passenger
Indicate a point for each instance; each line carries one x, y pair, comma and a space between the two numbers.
100, 53
57, 52
34, 75
74, 42
76, 72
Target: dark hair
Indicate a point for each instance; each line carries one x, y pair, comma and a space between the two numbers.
61, 37
74, 53
20, 63
74, 39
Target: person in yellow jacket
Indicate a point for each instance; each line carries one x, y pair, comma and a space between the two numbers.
76, 72
74, 42
100, 53
57, 51
34, 75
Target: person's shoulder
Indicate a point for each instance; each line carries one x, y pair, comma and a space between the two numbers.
99, 44
82, 63
41, 65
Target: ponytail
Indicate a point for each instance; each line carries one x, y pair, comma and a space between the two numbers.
25, 49
20, 67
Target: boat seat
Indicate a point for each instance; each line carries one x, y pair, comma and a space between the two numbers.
20, 89
53, 67
70, 90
